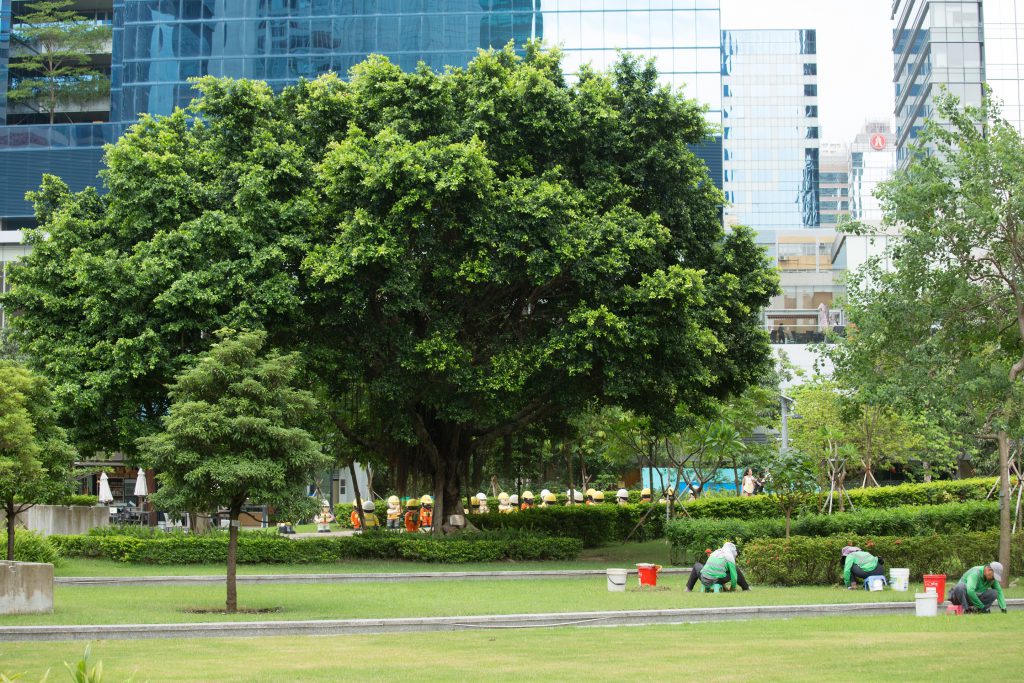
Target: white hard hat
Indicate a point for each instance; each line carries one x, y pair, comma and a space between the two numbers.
622, 493
513, 499
543, 493
481, 496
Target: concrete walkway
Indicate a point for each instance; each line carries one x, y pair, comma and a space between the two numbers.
435, 624
366, 577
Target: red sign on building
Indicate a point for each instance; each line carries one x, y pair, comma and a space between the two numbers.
878, 142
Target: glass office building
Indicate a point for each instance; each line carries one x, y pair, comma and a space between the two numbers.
770, 128
159, 44
959, 45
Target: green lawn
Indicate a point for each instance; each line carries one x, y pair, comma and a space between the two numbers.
624, 555
835, 649
162, 604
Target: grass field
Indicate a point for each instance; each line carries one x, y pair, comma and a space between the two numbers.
625, 555
166, 604
881, 648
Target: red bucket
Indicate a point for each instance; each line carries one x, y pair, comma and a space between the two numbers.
648, 574
938, 582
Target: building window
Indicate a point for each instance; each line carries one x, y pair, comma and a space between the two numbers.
810, 69
810, 90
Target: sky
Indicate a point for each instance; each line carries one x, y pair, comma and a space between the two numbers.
854, 54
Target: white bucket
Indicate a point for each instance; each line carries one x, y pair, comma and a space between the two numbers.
876, 583
926, 605
899, 579
617, 580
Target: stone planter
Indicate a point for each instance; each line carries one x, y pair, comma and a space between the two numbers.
26, 588
63, 519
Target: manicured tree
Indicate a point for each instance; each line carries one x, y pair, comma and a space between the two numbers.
36, 461
792, 481
234, 434
947, 321
51, 60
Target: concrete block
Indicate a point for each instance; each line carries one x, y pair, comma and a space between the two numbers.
26, 588
63, 519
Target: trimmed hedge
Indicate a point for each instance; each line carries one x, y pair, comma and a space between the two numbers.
29, 547
259, 547
595, 525
695, 535
803, 560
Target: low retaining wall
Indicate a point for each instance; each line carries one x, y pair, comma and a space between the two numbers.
26, 588
62, 519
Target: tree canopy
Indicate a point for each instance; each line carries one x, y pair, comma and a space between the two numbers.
458, 255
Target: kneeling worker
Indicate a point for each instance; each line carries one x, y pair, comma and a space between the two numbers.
860, 564
720, 568
978, 588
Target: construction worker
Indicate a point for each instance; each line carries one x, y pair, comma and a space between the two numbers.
474, 505
645, 496
719, 569
504, 504
369, 516
324, 518
527, 500
394, 513
598, 497
483, 508
426, 513
978, 588
590, 496
622, 497
574, 497
513, 503
547, 499
412, 515
859, 564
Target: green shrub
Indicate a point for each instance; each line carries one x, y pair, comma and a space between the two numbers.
30, 547
80, 499
594, 525
695, 535
258, 547
803, 560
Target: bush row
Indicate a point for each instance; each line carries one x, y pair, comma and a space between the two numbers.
804, 560
694, 535
268, 548
29, 547
595, 525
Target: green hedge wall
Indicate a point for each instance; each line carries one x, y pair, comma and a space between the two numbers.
803, 560
257, 547
29, 547
695, 535
595, 525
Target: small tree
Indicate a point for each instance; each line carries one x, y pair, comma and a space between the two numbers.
36, 460
793, 480
234, 434
51, 59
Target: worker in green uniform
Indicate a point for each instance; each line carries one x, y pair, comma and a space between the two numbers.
859, 564
720, 568
978, 588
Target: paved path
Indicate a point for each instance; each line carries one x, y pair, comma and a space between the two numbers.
434, 624
366, 577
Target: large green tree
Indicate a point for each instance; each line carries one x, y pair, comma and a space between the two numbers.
458, 255
947, 321
36, 461
51, 59
235, 434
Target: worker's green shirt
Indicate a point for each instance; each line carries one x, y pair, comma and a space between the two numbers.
974, 581
862, 559
718, 568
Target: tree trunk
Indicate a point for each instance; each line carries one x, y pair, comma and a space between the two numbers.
9, 509
232, 602
1004, 505
572, 487
789, 512
359, 498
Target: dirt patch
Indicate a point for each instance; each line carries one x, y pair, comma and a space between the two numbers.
649, 589
217, 610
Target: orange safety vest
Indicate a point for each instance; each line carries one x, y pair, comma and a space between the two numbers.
525, 506
426, 517
355, 519
412, 521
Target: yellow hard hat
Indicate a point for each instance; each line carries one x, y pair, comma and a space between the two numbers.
549, 498
503, 497
527, 495
412, 503
599, 496
393, 500
645, 492
591, 492
426, 500
473, 500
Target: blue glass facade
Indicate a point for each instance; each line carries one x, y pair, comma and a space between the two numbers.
159, 44
770, 128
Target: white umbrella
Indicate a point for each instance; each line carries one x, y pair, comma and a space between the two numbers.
140, 484
105, 495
